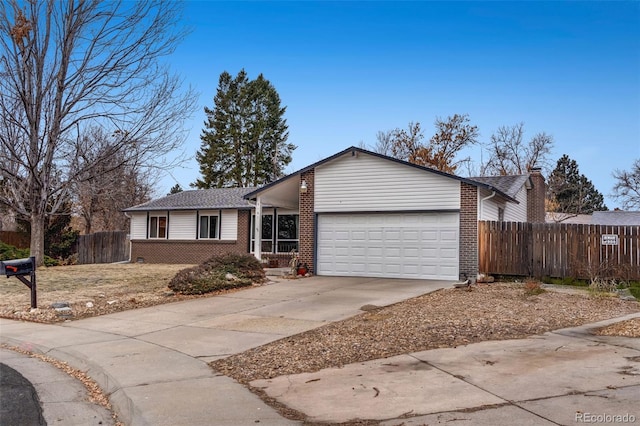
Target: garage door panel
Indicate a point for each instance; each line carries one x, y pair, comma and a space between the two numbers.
412, 253
375, 252
449, 253
449, 236
375, 235
407, 245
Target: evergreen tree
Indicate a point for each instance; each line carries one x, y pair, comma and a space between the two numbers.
244, 142
175, 189
571, 192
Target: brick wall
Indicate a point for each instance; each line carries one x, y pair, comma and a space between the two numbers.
307, 220
468, 231
192, 251
535, 197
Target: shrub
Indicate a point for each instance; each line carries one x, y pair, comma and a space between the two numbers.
532, 288
635, 290
212, 275
8, 252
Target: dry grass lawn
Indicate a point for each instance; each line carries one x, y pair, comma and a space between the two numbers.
90, 290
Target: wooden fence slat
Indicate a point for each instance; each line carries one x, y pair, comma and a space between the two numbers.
14, 238
558, 250
103, 247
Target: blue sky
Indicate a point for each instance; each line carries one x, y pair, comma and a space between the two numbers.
346, 70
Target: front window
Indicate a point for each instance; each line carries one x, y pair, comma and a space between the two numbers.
208, 227
281, 240
158, 227
288, 233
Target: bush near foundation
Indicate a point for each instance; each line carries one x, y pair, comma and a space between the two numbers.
219, 273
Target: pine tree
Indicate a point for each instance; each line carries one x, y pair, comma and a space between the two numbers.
571, 192
175, 189
244, 142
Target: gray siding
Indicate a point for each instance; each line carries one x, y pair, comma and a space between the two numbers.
182, 225
517, 212
138, 226
229, 225
367, 183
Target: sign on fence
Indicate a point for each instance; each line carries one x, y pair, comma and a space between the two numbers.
609, 240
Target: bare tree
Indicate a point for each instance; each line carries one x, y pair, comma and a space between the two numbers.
68, 65
452, 135
100, 194
627, 187
384, 142
510, 155
405, 143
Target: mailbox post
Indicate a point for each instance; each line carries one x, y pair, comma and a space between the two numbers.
19, 268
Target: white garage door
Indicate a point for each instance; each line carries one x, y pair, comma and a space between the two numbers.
391, 245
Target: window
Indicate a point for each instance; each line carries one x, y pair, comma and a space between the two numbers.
208, 227
267, 233
157, 227
288, 232
285, 237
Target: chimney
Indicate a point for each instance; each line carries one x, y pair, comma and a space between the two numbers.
535, 196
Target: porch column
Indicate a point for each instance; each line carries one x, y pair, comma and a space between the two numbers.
257, 229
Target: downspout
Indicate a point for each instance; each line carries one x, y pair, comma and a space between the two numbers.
130, 245
493, 194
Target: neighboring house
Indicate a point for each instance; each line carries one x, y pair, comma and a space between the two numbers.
559, 217
355, 213
615, 217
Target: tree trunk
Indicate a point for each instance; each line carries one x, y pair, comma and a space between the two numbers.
37, 237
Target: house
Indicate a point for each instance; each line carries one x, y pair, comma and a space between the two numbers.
355, 213
560, 217
616, 217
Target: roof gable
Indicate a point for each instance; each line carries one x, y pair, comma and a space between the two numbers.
355, 150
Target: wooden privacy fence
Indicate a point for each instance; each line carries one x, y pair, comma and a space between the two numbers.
559, 250
103, 247
16, 239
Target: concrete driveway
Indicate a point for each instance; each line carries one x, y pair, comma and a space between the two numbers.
565, 377
153, 361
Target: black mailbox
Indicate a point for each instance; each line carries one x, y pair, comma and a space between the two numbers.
17, 267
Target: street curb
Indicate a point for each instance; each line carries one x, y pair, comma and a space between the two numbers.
121, 404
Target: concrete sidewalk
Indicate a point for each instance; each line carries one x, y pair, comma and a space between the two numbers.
62, 398
153, 361
565, 377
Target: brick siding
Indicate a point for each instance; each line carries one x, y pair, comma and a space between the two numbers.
307, 221
468, 231
192, 251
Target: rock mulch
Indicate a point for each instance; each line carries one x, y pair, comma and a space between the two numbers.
629, 328
445, 318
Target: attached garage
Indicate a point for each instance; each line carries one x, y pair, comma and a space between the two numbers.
366, 214
421, 245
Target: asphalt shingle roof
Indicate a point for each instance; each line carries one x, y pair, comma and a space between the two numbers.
615, 218
510, 185
215, 198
